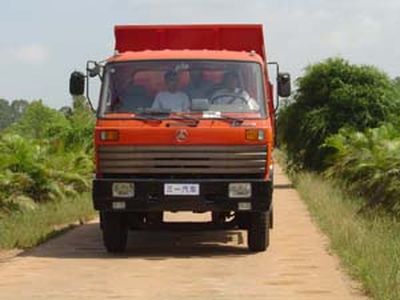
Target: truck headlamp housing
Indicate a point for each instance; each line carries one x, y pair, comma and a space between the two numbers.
109, 135
239, 190
255, 134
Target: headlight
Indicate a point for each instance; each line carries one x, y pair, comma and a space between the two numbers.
123, 189
239, 190
255, 134
109, 135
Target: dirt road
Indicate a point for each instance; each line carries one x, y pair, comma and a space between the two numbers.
193, 265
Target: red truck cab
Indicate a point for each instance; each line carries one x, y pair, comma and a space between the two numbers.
185, 122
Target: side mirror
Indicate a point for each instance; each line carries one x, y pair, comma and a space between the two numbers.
284, 87
77, 83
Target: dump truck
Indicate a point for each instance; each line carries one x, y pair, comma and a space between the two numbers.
185, 122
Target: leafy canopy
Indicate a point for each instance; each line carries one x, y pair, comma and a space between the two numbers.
368, 163
46, 155
331, 95
11, 112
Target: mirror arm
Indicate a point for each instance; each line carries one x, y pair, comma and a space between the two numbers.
87, 89
276, 64
88, 96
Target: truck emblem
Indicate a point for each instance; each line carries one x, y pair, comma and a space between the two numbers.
181, 135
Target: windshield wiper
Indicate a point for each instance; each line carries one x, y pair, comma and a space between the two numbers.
146, 118
184, 117
151, 115
232, 120
163, 115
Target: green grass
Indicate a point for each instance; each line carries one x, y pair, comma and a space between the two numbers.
29, 228
368, 244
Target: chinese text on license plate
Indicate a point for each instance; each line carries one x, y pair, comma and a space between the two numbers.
181, 189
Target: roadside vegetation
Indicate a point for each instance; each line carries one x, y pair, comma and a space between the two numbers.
45, 167
27, 228
341, 138
368, 244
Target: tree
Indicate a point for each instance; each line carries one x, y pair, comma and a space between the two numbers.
396, 83
66, 110
11, 112
82, 122
40, 121
331, 95
18, 108
5, 114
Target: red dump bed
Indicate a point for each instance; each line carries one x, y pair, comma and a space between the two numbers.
193, 37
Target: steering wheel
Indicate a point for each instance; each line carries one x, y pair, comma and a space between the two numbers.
230, 101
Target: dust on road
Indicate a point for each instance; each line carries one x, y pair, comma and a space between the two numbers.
188, 265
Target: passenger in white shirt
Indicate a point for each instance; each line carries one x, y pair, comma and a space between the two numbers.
172, 99
232, 94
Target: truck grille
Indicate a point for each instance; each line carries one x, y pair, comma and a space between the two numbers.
181, 160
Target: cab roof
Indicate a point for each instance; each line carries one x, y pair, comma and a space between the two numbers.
187, 55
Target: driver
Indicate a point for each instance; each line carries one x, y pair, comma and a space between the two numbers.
232, 94
172, 99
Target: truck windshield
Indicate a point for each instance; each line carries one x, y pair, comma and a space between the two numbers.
172, 86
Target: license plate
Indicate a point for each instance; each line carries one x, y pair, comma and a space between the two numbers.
178, 189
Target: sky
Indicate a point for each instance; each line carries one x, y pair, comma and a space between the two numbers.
43, 41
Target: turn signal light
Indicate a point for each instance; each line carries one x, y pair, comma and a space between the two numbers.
255, 134
109, 135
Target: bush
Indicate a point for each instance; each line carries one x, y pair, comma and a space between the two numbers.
45, 156
332, 95
369, 164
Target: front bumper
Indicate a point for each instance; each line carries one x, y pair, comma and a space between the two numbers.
149, 195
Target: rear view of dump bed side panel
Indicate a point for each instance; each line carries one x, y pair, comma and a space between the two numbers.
192, 37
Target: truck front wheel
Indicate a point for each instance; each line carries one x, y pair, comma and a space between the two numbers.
115, 231
258, 231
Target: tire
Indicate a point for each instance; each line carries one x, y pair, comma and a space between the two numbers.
258, 232
115, 232
271, 217
242, 219
101, 219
